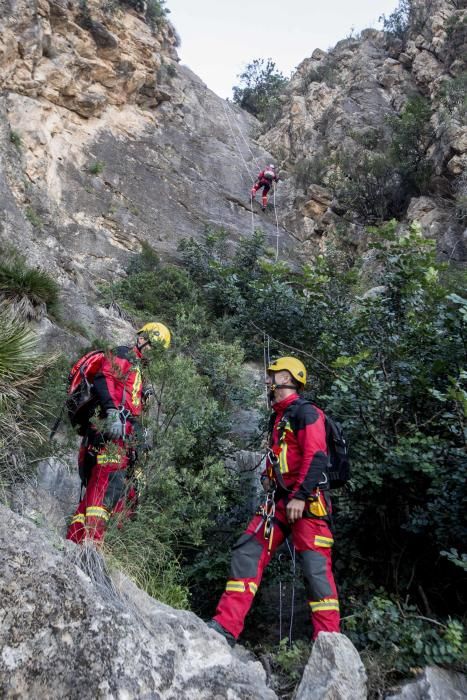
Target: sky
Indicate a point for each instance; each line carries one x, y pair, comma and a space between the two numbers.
220, 37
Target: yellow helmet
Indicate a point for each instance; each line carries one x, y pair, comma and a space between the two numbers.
156, 332
291, 364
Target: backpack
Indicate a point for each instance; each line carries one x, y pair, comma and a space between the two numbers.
269, 175
81, 401
338, 455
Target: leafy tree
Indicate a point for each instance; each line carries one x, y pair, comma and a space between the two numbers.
261, 84
384, 342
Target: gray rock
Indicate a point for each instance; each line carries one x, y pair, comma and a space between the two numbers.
103, 38
334, 671
68, 630
51, 496
434, 684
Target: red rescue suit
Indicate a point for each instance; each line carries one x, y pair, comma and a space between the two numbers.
302, 461
265, 179
118, 385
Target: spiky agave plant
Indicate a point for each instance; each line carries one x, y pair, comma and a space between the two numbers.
31, 291
21, 369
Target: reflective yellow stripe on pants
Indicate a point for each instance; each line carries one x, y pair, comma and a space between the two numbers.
97, 512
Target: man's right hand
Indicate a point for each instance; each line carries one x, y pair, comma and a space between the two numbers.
266, 483
113, 425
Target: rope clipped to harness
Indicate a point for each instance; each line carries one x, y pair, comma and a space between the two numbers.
267, 510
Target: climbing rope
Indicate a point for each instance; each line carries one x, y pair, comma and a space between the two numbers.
236, 141
277, 221
237, 144
245, 141
292, 602
244, 163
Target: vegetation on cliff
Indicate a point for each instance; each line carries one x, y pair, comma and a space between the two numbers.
385, 346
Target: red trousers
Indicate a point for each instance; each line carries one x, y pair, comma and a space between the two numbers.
312, 540
107, 492
266, 187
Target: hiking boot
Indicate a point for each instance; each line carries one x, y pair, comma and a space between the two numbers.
217, 627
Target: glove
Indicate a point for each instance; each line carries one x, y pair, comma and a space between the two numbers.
113, 425
148, 394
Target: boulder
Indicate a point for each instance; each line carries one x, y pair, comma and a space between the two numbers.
434, 684
68, 629
334, 671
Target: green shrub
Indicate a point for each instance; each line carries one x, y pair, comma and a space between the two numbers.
398, 23
156, 12
21, 377
377, 178
31, 290
453, 97
183, 482
408, 19
367, 184
33, 217
412, 137
261, 85
15, 139
309, 171
96, 167
408, 638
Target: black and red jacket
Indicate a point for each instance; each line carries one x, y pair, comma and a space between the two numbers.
118, 384
302, 453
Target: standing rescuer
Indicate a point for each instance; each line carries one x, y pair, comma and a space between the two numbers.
297, 504
110, 451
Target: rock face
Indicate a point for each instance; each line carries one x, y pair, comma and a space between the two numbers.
334, 671
69, 630
106, 142
433, 684
339, 102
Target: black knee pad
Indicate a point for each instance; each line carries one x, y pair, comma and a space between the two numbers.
245, 557
115, 488
314, 567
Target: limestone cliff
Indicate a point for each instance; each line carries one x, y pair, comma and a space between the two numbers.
106, 142
339, 102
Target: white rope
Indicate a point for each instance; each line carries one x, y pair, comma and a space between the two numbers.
293, 592
244, 163
266, 365
277, 222
236, 141
280, 611
244, 140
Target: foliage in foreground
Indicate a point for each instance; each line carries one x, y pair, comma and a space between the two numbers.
385, 347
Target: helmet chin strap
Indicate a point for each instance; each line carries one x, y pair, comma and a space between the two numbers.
143, 345
274, 387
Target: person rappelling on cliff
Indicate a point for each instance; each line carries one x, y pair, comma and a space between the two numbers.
108, 452
266, 178
297, 504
